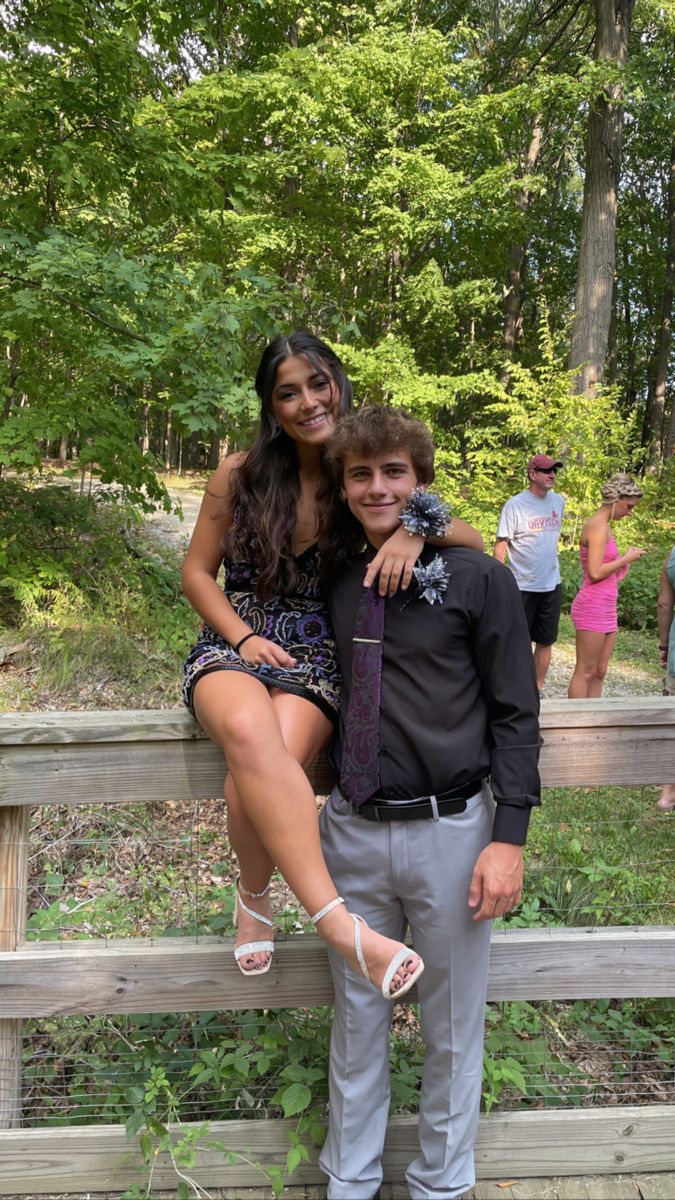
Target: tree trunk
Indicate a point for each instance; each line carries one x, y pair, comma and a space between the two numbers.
597, 248
669, 446
168, 445
145, 440
514, 277
193, 451
612, 338
663, 336
219, 448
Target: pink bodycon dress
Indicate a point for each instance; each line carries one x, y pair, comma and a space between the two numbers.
594, 606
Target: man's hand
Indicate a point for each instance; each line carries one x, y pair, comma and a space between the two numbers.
497, 880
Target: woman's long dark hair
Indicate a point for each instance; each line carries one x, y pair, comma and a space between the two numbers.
266, 486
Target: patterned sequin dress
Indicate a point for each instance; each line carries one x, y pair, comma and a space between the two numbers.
299, 623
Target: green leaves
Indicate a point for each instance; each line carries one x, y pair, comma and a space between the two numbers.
180, 185
294, 1099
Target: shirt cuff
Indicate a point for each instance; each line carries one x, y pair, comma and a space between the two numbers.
512, 820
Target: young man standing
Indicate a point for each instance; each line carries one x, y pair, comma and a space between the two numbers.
528, 531
412, 836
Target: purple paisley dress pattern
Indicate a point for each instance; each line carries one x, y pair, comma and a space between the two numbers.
360, 766
299, 623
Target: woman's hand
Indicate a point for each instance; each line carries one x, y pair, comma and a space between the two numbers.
394, 562
257, 650
633, 554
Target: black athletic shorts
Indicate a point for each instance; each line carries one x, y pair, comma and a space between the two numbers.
542, 613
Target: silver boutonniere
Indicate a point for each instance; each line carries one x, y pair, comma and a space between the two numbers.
432, 580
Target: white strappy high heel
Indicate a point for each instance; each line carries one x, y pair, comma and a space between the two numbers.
252, 947
395, 964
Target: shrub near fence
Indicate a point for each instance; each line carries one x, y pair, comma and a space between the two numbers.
112, 757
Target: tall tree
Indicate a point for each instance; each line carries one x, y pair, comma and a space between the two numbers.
597, 249
663, 340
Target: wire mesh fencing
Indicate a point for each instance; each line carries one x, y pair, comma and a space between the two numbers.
595, 857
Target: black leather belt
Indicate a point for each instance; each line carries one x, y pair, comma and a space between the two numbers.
422, 808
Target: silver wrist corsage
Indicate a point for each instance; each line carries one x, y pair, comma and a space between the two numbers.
425, 515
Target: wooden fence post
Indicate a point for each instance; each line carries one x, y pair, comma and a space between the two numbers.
14, 826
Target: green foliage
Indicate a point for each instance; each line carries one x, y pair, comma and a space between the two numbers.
122, 334
178, 185
72, 575
596, 856
485, 430
151, 1069
180, 182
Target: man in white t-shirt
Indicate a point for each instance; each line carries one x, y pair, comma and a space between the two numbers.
528, 532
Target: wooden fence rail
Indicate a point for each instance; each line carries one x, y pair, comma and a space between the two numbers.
113, 757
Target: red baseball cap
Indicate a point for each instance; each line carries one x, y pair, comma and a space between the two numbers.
542, 462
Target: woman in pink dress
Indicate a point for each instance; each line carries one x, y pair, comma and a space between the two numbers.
594, 610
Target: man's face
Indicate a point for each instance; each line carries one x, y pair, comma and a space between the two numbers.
543, 481
377, 489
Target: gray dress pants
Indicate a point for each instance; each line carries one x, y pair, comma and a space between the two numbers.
414, 873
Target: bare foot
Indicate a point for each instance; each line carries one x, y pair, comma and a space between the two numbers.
250, 930
340, 930
379, 952
666, 801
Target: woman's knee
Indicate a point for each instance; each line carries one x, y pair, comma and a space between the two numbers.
244, 732
586, 669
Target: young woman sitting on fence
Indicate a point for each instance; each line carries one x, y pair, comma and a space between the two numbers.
263, 678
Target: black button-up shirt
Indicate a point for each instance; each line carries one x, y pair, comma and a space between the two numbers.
459, 698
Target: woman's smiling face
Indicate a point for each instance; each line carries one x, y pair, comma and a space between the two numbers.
305, 400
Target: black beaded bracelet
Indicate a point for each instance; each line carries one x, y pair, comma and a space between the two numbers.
244, 639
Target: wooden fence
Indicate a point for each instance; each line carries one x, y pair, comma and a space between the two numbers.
112, 757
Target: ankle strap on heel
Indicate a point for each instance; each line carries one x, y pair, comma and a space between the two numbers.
252, 895
323, 912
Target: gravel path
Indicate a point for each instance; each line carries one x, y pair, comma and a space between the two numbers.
168, 528
623, 678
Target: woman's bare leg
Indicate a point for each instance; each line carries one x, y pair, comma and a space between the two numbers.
666, 801
590, 646
305, 731
238, 714
255, 872
595, 688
